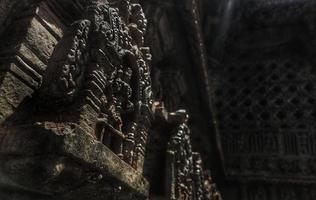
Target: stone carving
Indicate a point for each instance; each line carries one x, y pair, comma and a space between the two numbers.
251, 133
103, 63
204, 188
187, 180
211, 189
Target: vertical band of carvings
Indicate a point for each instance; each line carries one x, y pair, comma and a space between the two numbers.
186, 180
103, 63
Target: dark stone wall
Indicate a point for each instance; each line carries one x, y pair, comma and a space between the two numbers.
262, 73
174, 72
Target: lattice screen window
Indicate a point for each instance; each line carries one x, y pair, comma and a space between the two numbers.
265, 113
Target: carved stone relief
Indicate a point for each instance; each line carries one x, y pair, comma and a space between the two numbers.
91, 81
270, 100
186, 180
102, 62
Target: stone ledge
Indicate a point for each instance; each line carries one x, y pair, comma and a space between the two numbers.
35, 159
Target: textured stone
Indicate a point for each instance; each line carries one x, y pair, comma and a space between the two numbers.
12, 91
72, 154
77, 101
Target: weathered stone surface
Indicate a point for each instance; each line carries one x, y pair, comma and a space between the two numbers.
40, 39
77, 101
96, 92
38, 160
12, 91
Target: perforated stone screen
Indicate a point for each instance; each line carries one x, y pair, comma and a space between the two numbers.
265, 113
